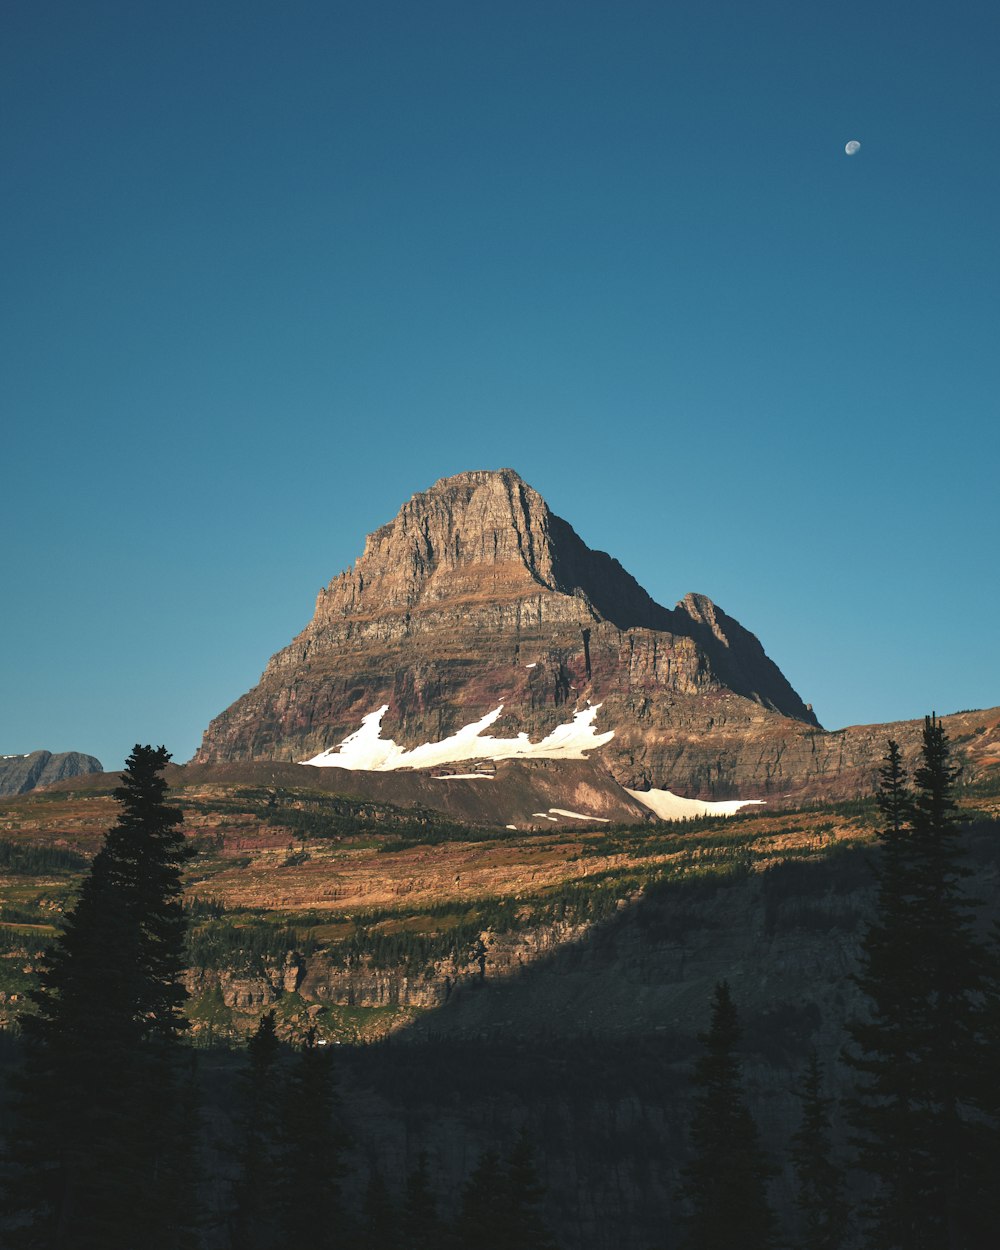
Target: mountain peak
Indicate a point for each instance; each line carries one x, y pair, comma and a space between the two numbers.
474, 478
485, 534
476, 597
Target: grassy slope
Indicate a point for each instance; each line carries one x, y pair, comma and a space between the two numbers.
373, 894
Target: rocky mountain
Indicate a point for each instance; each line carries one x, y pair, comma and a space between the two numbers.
478, 598
21, 773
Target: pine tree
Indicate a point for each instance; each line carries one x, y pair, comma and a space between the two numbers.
820, 1190
421, 1224
501, 1203
725, 1180
883, 1111
920, 1051
253, 1222
310, 1209
101, 1137
482, 1214
379, 1218
524, 1223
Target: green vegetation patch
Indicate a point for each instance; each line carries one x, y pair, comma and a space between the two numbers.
244, 942
25, 859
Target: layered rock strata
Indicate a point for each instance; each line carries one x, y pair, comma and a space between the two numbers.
478, 596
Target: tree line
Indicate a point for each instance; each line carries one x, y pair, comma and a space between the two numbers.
924, 1115
105, 1150
291, 1155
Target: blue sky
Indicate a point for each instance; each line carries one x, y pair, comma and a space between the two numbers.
270, 269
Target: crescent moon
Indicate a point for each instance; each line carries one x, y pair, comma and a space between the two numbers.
852, 147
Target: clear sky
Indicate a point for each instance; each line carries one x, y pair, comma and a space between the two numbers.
268, 269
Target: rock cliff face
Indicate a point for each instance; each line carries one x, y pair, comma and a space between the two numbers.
476, 595
21, 773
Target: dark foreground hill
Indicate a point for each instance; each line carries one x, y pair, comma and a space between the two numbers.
479, 980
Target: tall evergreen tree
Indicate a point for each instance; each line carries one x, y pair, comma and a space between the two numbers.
883, 1110
100, 1137
421, 1223
820, 1180
524, 1222
481, 1215
918, 1111
501, 1203
725, 1179
380, 1225
310, 1209
254, 1218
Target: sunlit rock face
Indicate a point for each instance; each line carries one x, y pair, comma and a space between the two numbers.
477, 597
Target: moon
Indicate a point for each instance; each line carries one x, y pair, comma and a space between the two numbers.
852, 147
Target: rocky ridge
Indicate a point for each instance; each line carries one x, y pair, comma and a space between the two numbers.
21, 773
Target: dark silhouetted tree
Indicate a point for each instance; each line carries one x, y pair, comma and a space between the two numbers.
102, 1138
254, 1223
524, 1222
725, 1179
819, 1193
420, 1222
481, 1215
380, 1228
882, 1112
920, 1110
502, 1203
310, 1208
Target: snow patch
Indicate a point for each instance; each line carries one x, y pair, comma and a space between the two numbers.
545, 816
514, 827
535, 665
670, 806
368, 751
561, 811
462, 777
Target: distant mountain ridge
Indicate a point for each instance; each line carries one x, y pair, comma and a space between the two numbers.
21, 773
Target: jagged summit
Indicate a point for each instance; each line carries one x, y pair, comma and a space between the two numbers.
484, 534
477, 595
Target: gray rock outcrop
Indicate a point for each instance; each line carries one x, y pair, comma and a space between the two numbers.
37, 769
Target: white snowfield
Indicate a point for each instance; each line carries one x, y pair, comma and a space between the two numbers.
368, 751
561, 811
673, 807
462, 776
